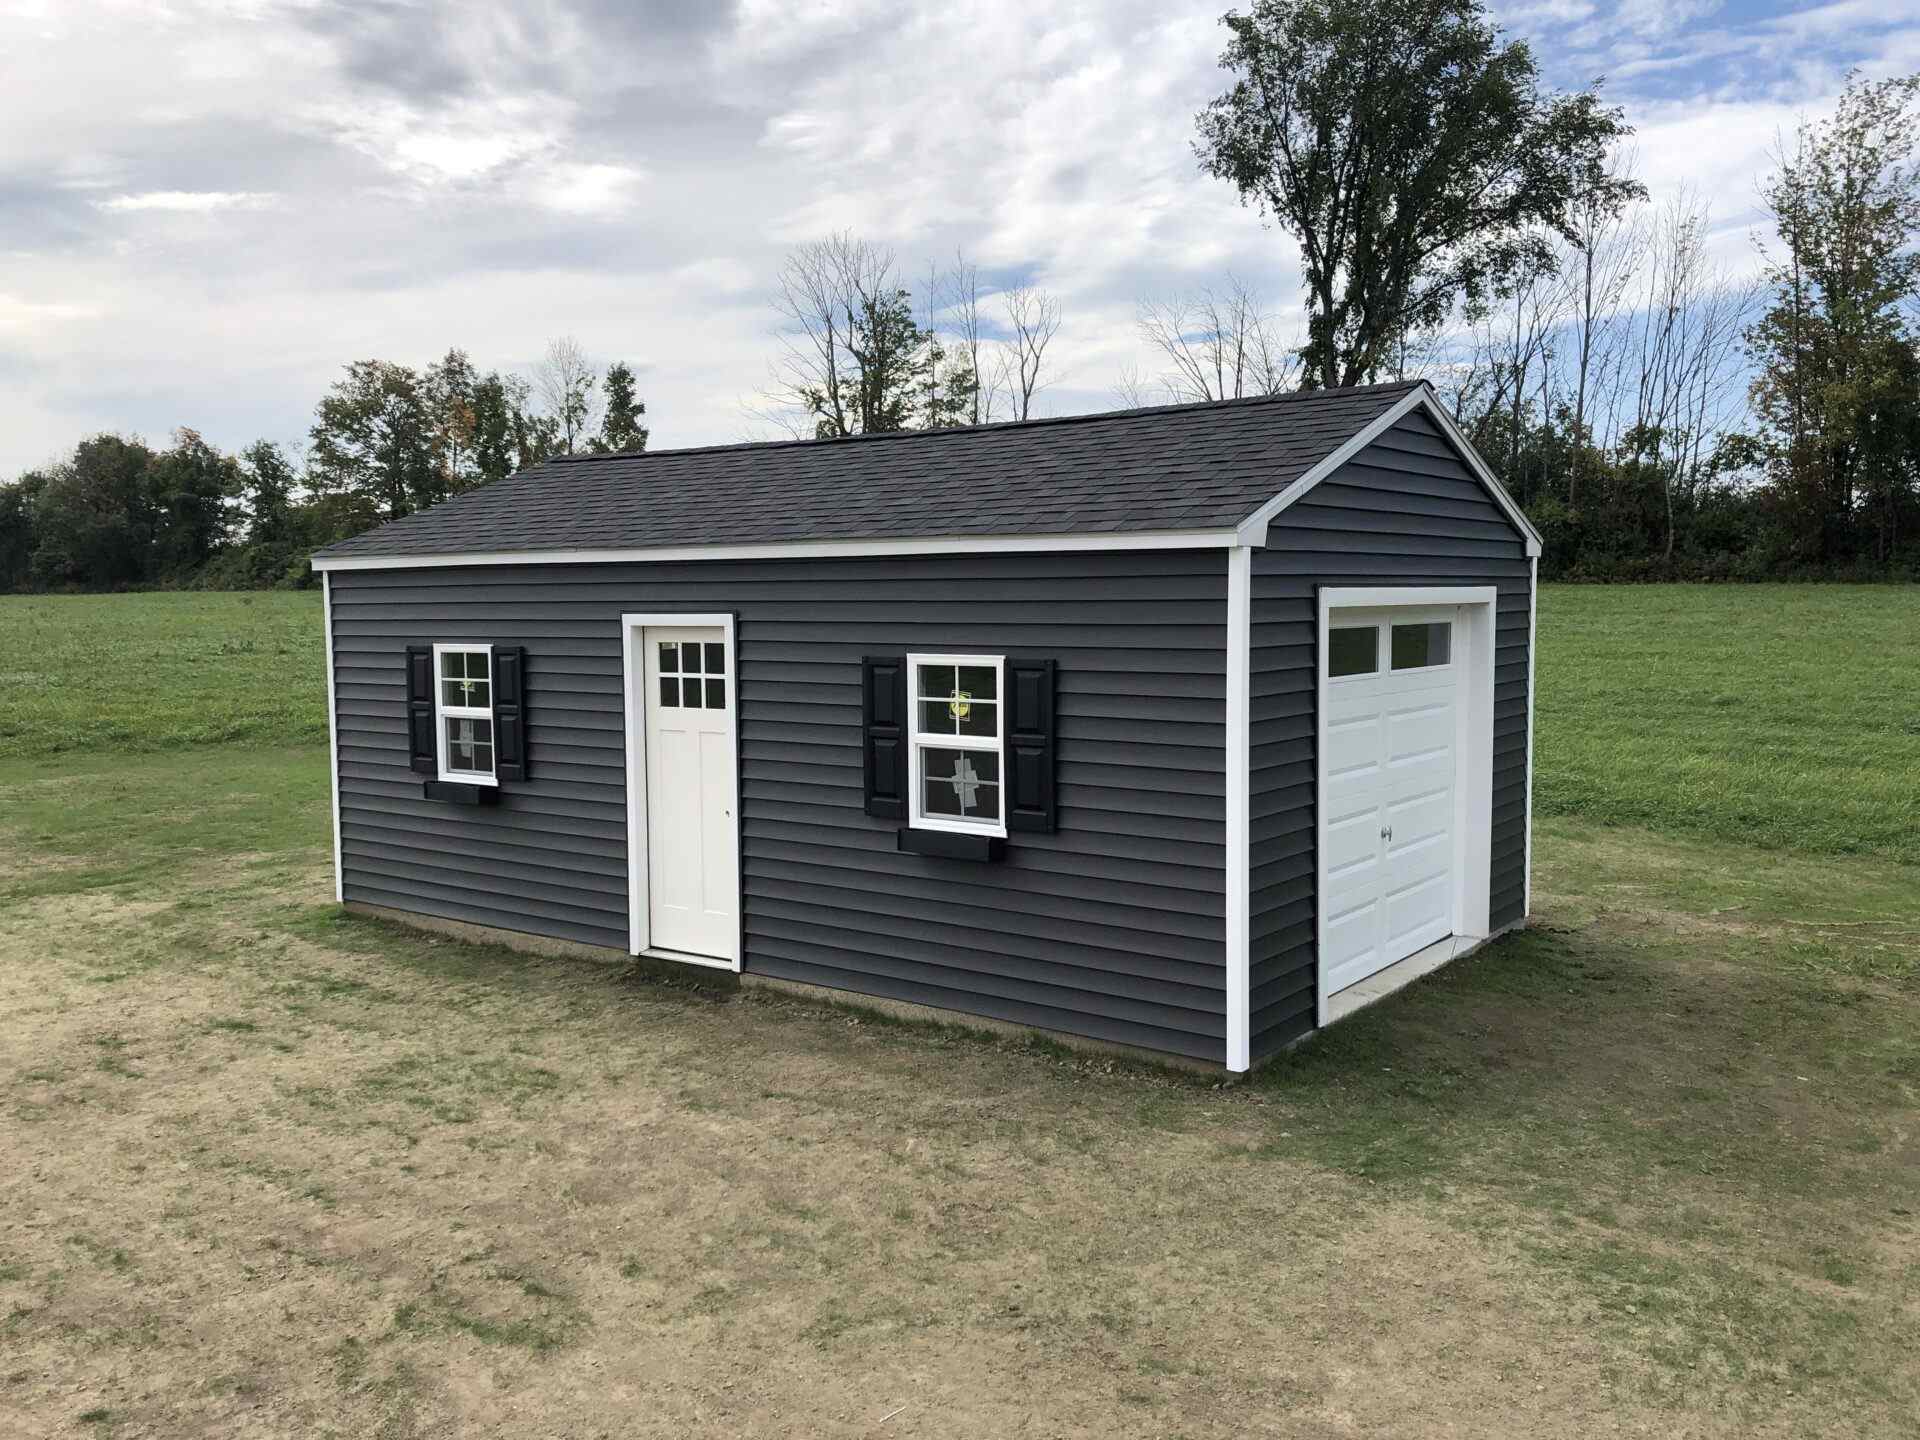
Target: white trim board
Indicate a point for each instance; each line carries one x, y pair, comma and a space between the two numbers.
632, 675
798, 550
333, 739
1253, 530
1239, 760
1533, 646
1473, 661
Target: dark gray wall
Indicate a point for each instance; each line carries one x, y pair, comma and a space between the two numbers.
1405, 511
1111, 928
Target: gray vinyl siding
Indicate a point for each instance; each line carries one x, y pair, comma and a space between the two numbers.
1405, 511
1110, 928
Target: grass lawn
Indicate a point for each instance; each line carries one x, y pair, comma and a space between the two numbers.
1778, 715
151, 672
1651, 1166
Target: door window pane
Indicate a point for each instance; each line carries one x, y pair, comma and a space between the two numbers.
669, 690
716, 658
1416, 646
716, 694
669, 658
1353, 650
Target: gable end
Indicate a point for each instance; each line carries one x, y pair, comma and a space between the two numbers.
1415, 436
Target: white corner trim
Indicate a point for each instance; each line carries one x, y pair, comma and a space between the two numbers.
1533, 646
333, 738
1239, 759
633, 629
799, 550
1253, 530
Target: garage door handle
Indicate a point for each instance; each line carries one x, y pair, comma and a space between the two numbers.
1386, 832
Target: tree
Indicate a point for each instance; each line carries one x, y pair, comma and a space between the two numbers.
1033, 317
566, 385
961, 293
1835, 393
1412, 155
188, 488
620, 420
93, 519
852, 355
446, 389
17, 537
264, 495
372, 445
1221, 343
499, 425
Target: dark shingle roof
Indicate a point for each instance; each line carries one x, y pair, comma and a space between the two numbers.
1176, 467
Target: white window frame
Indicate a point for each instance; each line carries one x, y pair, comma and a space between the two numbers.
443, 712
918, 741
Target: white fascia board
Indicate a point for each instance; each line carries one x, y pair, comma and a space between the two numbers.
1239, 758
1253, 530
797, 550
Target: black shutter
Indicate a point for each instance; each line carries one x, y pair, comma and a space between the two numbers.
1030, 745
425, 753
885, 721
509, 712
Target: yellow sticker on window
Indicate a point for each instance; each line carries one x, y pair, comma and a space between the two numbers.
959, 707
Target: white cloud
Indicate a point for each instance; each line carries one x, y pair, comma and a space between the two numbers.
495, 172
195, 202
574, 189
23, 317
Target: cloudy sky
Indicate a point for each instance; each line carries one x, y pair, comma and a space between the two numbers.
208, 206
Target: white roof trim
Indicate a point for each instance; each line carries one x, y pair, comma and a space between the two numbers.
1253, 530
797, 550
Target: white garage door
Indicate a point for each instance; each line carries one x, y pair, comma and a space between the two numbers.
1390, 864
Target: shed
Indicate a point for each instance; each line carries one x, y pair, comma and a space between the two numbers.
1183, 729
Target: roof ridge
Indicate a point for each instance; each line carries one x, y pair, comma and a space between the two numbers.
997, 427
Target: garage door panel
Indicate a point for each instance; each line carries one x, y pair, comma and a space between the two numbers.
1388, 793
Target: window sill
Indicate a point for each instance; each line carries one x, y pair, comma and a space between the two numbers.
454, 792
951, 845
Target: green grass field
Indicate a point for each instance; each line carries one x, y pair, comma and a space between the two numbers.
1647, 1167
1779, 715
126, 674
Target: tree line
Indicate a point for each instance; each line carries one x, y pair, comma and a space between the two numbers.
1656, 412
386, 440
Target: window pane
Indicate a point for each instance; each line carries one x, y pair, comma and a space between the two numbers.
690, 691
936, 718
977, 681
669, 691
960, 784
669, 658
1418, 645
975, 717
470, 746
937, 682
716, 659
716, 694
1353, 650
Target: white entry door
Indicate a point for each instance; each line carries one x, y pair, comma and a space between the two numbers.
691, 858
1390, 763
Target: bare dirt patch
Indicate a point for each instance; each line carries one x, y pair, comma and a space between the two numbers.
286, 1175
